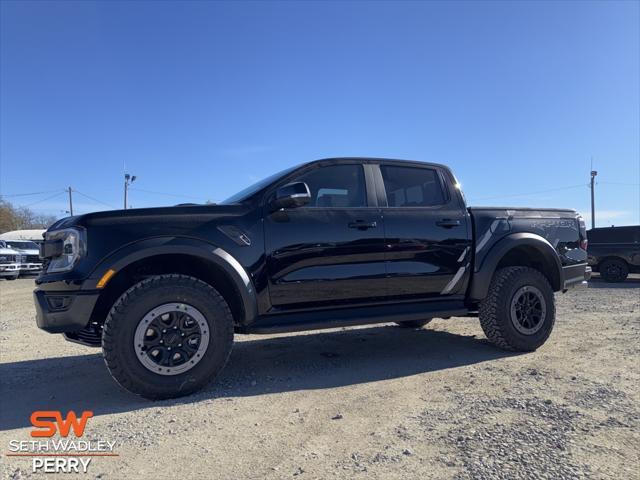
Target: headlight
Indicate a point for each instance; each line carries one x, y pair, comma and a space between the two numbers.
73, 247
7, 258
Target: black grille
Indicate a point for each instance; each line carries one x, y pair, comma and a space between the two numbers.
91, 335
33, 259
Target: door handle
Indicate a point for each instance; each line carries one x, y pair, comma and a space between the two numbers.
362, 225
448, 223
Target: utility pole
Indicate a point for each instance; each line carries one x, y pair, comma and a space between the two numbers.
593, 203
70, 202
128, 180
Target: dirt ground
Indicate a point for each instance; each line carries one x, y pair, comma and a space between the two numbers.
370, 402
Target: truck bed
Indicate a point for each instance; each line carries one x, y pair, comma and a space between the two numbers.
560, 227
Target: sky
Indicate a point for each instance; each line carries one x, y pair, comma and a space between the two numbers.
200, 99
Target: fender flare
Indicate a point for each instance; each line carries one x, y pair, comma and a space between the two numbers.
484, 273
152, 247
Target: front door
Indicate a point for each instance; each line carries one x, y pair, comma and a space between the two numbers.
427, 233
331, 251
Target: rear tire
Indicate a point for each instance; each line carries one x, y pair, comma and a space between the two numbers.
156, 365
414, 323
518, 312
613, 270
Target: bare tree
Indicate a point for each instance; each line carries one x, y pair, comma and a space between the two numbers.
21, 218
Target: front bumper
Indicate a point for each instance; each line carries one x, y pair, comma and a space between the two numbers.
68, 311
576, 275
9, 269
30, 267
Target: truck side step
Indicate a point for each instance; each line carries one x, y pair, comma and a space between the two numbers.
345, 317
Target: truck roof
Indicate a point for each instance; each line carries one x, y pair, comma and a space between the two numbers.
396, 161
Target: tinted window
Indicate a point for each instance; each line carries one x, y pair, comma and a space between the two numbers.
412, 187
614, 235
336, 186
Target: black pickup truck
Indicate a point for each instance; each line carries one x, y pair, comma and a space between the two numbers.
329, 243
614, 252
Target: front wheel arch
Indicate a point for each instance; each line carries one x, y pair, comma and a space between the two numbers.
207, 268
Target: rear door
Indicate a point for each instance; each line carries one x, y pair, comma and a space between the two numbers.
427, 232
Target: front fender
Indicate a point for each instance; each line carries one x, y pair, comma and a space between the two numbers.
152, 247
484, 272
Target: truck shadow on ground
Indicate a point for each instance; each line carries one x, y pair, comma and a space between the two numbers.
257, 366
630, 282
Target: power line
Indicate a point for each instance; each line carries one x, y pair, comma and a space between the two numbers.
619, 183
44, 199
56, 193
95, 199
532, 193
29, 194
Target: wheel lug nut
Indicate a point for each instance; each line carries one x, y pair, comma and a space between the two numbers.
164, 330
179, 344
161, 341
182, 334
168, 348
175, 328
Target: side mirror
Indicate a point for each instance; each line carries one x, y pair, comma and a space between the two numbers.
292, 195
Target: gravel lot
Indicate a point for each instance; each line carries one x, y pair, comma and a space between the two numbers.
371, 402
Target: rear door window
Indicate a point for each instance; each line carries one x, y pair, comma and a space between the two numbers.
412, 187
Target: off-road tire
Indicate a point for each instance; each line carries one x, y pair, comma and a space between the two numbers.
125, 315
12, 277
613, 270
414, 323
495, 309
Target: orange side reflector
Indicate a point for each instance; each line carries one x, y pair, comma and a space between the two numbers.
105, 278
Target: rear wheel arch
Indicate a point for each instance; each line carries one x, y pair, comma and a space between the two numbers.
601, 260
519, 249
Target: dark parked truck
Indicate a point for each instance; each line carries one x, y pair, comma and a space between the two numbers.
330, 243
614, 252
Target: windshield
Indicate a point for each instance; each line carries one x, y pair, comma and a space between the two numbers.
21, 245
242, 195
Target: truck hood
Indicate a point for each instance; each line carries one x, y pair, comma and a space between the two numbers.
157, 216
